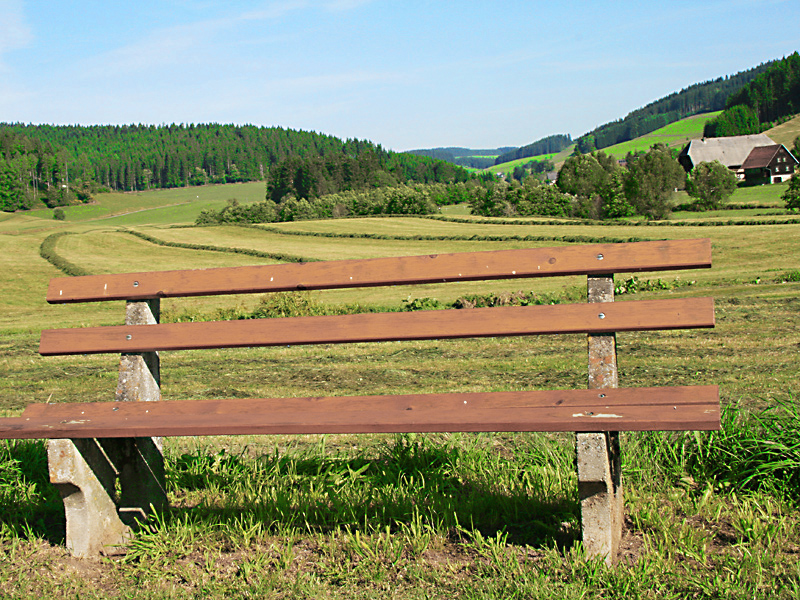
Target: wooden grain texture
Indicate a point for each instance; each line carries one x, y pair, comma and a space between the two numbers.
467, 266
629, 409
642, 315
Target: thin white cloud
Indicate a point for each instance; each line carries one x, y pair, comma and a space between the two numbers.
14, 31
185, 44
318, 83
274, 10
164, 47
342, 5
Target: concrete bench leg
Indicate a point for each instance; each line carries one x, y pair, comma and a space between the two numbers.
85, 478
598, 454
600, 493
108, 485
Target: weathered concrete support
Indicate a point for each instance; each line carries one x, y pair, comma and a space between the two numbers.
139, 461
109, 484
598, 454
85, 478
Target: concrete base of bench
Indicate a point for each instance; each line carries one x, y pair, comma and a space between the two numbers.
600, 491
108, 486
86, 480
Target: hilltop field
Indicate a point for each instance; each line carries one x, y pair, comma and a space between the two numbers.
479, 516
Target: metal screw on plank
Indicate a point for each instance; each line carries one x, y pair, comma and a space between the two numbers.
600, 257
601, 316
128, 337
135, 284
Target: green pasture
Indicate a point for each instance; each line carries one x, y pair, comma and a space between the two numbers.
428, 516
673, 135
177, 205
508, 167
786, 133
762, 195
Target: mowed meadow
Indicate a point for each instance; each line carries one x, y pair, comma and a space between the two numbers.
708, 515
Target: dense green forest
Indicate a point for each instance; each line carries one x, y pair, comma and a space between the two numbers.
769, 98
699, 98
549, 145
51, 163
32, 171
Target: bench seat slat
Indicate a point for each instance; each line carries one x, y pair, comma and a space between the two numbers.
467, 266
625, 409
643, 315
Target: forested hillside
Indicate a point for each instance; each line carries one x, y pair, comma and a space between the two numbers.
549, 145
38, 161
771, 97
696, 99
465, 157
33, 171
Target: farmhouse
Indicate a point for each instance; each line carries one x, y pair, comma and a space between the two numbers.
730, 151
769, 164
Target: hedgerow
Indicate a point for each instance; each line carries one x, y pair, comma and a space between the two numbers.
47, 250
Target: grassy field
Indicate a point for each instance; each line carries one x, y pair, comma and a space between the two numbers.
435, 516
673, 135
786, 133
508, 167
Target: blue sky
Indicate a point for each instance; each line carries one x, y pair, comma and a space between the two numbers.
410, 74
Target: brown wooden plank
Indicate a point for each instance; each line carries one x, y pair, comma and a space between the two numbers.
642, 315
468, 266
629, 409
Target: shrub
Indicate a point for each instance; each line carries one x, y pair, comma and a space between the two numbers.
712, 183
792, 195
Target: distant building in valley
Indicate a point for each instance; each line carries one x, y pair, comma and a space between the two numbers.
732, 152
769, 164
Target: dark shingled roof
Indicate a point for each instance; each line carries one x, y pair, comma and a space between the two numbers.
760, 157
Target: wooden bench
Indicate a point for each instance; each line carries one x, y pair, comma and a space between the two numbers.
106, 457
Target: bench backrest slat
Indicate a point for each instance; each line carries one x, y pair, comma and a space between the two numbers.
679, 313
469, 266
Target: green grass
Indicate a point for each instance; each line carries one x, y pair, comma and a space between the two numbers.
508, 167
673, 135
786, 133
435, 516
764, 195
179, 205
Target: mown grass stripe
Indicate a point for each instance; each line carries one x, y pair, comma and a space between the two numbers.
246, 251
582, 239
612, 222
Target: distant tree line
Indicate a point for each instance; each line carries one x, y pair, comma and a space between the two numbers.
464, 157
589, 186
33, 172
549, 145
604, 189
142, 157
597, 186
311, 177
699, 98
773, 96
402, 199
